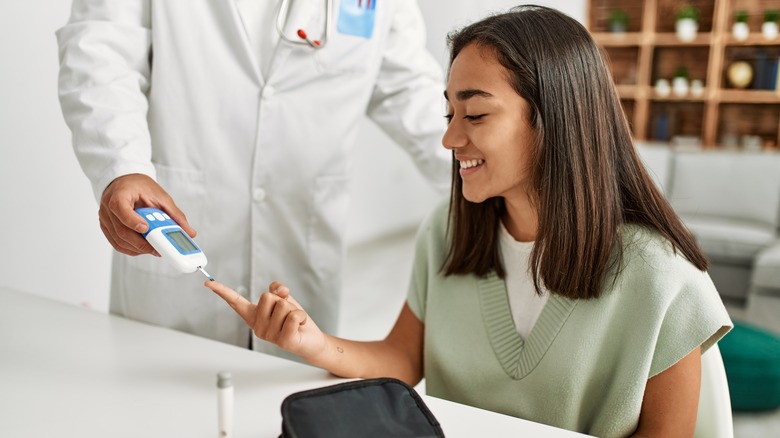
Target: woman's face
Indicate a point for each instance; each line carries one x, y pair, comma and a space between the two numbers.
488, 127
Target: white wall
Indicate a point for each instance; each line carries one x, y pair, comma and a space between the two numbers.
49, 235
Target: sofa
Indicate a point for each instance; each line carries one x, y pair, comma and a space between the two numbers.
730, 200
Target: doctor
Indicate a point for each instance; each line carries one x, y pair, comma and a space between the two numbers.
220, 110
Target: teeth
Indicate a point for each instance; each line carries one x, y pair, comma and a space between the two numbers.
465, 164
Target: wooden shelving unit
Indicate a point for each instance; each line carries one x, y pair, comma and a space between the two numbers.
650, 50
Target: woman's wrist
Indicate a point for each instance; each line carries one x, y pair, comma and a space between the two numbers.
331, 357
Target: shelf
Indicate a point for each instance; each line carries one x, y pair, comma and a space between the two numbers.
625, 39
608, 39
650, 50
672, 98
748, 96
628, 91
671, 40
754, 39
724, 96
643, 92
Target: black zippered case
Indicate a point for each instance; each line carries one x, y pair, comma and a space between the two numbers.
383, 407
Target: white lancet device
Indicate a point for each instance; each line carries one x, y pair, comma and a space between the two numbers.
170, 240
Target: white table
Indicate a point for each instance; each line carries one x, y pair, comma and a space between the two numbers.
66, 371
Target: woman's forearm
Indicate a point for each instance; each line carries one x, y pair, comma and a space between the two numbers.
399, 355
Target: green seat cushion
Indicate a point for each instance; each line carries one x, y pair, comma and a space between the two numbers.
751, 357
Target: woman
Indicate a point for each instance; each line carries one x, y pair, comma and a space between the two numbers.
558, 285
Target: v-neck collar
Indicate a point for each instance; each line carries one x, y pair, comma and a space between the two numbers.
519, 356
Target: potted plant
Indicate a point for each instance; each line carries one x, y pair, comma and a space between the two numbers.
740, 28
618, 21
680, 82
687, 23
769, 28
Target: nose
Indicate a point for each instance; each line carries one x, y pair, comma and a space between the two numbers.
454, 137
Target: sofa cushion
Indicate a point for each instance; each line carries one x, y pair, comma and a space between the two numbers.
766, 269
729, 240
657, 158
744, 186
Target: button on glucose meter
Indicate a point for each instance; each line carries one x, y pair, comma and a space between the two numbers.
173, 244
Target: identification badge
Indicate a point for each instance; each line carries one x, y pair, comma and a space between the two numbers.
356, 17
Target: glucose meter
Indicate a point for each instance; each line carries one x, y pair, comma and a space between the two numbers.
170, 240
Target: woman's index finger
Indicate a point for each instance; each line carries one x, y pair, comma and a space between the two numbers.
241, 305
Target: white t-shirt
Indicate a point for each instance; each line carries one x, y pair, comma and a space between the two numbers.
525, 304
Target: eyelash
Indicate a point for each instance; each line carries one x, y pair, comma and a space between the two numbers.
467, 117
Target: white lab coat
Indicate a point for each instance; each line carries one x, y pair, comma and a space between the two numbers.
259, 165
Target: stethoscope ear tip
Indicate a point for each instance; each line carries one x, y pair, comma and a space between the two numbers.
313, 43
283, 11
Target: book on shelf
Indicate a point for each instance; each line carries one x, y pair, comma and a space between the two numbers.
766, 71
776, 75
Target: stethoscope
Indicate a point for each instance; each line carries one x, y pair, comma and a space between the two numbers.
284, 10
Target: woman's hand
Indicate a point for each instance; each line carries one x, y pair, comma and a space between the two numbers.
276, 318
279, 319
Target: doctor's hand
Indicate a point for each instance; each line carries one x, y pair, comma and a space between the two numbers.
121, 224
276, 318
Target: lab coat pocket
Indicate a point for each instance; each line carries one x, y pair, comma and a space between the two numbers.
188, 190
327, 225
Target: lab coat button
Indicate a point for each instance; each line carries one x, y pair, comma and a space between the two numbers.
258, 195
268, 92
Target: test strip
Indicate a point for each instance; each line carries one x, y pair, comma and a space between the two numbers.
200, 268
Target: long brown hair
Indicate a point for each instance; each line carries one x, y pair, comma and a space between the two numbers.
586, 176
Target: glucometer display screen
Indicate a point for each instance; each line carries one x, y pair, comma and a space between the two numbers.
184, 243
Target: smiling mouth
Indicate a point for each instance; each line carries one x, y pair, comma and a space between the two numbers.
467, 164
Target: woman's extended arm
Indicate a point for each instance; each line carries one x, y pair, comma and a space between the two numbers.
279, 319
671, 400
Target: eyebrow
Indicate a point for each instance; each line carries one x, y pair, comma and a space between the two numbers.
468, 94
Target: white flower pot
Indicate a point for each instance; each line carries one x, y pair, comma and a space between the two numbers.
686, 29
769, 30
662, 88
740, 31
680, 86
697, 88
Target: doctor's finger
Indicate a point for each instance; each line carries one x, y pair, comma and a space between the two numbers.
120, 207
180, 218
120, 243
125, 236
241, 305
119, 248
